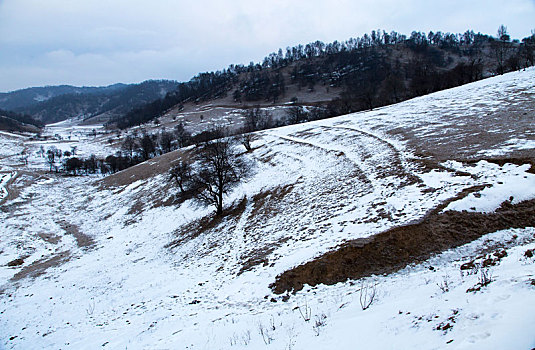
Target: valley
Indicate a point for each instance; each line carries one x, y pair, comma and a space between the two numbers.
119, 261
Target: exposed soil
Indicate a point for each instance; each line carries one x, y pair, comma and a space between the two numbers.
260, 256
22, 179
39, 267
396, 248
82, 240
16, 262
145, 170
206, 224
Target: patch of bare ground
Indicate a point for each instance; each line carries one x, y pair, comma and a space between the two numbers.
260, 256
472, 134
82, 240
50, 238
398, 247
39, 267
146, 170
208, 223
273, 196
21, 180
16, 262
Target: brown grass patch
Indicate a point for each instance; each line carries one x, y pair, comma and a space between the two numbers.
16, 262
274, 196
396, 248
50, 238
39, 267
259, 256
208, 223
146, 170
82, 240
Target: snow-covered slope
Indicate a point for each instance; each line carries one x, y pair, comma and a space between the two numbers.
111, 263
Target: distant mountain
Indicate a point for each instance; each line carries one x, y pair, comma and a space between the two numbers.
31, 96
56, 103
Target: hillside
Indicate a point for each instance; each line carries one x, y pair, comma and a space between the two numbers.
15, 122
25, 98
90, 104
314, 250
343, 77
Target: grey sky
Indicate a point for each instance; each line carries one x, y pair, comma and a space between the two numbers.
100, 42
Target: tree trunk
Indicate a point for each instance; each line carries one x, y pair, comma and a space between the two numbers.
219, 210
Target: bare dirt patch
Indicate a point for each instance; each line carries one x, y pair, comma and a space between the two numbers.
82, 240
396, 248
260, 256
39, 267
145, 170
50, 238
206, 224
16, 262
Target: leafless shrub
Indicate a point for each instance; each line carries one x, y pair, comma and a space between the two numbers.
367, 294
444, 285
233, 340
272, 323
305, 311
291, 338
266, 334
246, 337
320, 321
91, 307
485, 277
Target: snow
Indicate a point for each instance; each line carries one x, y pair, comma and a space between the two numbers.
317, 185
508, 183
87, 139
4, 179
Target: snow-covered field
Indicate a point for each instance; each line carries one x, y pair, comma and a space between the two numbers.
111, 266
64, 136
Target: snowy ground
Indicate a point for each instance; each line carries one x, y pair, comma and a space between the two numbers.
111, 267
66, 135
4, 179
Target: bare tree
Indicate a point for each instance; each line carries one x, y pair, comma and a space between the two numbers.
51, 158
53, 154
165, 141
501, 48
181, 173
129, 145
296, 115
183, 137
256, 119
147, 147
218, 169
245, 140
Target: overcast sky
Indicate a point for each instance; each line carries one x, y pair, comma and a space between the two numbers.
101, 42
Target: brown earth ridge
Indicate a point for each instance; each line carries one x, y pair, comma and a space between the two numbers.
396, 248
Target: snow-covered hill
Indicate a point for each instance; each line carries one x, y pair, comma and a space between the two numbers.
112, 263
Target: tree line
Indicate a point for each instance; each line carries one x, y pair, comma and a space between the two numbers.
373, 70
